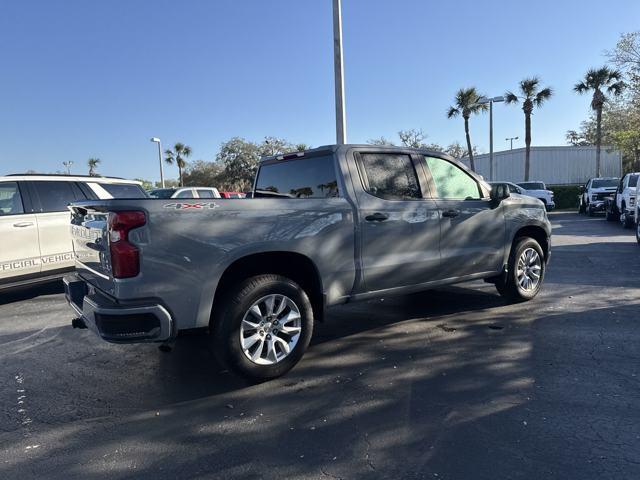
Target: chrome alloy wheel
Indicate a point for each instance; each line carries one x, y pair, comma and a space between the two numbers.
529, 269
270, 329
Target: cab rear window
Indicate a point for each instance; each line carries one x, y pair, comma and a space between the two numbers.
124, 190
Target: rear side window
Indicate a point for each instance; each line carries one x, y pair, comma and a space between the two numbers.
124, 190
390, 176
55, 196
10, 199
633, 180
313, 177
451, 181
202, 193
185, 194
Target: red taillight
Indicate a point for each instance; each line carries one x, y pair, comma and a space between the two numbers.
125, 257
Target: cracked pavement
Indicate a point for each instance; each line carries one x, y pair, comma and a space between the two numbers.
449, 384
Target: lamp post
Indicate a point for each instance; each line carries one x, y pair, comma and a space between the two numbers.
157, 140
338, 69
511, 139
68, 166
490, 101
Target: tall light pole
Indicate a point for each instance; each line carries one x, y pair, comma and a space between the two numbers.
490, 101
68, 166
157, 140
511, 139
338, 68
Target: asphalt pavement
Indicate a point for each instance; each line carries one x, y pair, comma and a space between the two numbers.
449, 384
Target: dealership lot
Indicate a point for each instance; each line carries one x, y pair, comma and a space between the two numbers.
452, 383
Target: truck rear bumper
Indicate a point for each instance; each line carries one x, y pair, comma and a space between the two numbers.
114, 322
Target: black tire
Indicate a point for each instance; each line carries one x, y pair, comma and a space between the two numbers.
581, 206
638, 232
229, 315
509, 287
610, 215
590, 211
627, 222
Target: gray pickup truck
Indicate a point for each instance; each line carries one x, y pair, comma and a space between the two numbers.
326, 226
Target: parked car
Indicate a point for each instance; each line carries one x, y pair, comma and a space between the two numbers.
233, 194
34, 222
540, 191
185, 192
513, 188
327, 226
594, 193
622, 204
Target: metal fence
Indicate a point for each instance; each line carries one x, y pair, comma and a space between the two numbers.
552, 165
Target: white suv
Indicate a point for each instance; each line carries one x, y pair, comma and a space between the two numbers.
34, 222
185, 192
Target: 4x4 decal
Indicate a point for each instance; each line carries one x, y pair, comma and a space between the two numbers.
192, 206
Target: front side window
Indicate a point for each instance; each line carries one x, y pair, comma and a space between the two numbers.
313, 177
54, 196
390, 176
10, 199
633, 180
451, 181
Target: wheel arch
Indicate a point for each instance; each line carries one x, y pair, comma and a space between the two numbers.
296, 266
538, 233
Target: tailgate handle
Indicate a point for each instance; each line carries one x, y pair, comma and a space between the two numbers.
23, 224
376, 217
451, 213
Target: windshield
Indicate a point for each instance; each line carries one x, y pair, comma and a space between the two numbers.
633, 180
162, 193
533, 185
604, 182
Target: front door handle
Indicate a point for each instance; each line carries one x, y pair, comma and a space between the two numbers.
376, 217
451, 213
23, 224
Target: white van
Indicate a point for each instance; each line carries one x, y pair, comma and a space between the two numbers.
35, 241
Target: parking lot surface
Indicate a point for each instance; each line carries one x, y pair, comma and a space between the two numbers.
449, 384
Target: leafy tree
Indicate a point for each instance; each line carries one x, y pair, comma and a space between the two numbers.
381, 141
458, 151
204, 174
92, 163
531, 95
412, 138
271, 146
239, 158
466, 104
577, 139
601, 81
178, 155
626, 56
146, 184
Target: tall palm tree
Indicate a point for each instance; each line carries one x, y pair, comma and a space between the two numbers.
600, 80
466, 104
531, 96
178, 156
93, 164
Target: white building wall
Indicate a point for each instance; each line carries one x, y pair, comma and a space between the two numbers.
552, 165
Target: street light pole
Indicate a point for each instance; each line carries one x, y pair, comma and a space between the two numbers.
338, 67
157, 140
511, 139
490, 101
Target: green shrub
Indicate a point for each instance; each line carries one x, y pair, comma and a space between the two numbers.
565, 196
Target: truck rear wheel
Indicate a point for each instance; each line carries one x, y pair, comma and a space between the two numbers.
525, 271
263, 327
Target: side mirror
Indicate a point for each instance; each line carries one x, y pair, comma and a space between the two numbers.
499, 192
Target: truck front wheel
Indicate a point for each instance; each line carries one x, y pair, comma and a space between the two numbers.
262, 327
525, 271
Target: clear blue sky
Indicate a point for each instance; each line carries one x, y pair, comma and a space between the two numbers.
82, 79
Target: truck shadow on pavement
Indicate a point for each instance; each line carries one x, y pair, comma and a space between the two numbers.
545, 396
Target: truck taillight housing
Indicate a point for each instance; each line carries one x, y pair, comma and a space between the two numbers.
125, 256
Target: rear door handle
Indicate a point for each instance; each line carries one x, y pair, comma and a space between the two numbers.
451, 213
23, 224
376, 217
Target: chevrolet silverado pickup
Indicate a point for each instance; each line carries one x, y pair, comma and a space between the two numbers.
325, 226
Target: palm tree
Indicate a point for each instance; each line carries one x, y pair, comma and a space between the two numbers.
600, 80
93, 164
531, 96
178, 156
466, 104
